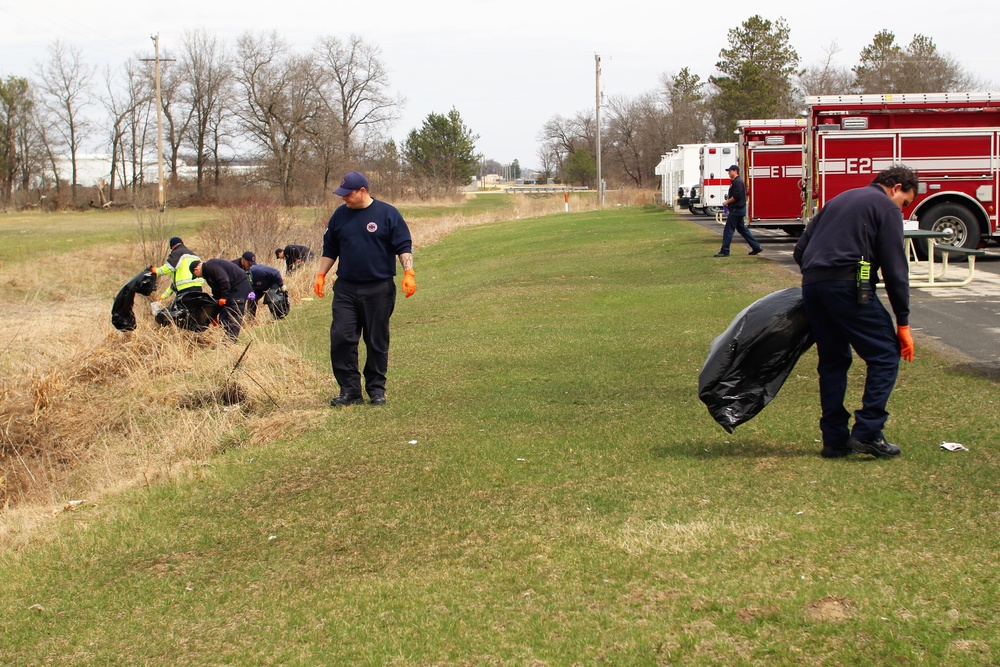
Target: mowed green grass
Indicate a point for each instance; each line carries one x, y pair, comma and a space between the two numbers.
40, 235
545, 488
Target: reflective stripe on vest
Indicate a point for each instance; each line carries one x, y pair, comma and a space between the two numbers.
182, 277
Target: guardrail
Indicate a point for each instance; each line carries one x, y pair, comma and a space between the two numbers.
547, 188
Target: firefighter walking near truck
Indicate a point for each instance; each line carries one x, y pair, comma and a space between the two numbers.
736, 200
855, 236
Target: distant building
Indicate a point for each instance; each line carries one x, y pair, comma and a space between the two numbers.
92, 168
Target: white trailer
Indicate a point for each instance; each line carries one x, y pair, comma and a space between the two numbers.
679, 172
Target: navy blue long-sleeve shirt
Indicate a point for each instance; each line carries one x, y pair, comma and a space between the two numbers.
738, 193
367, 241
264, 277
859, 223
225, 278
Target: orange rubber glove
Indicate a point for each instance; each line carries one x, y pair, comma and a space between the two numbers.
409, 283
318, 285
222, 302
905, 342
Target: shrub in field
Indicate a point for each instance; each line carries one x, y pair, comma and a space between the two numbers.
256, 225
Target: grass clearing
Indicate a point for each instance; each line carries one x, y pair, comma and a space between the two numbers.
567, 500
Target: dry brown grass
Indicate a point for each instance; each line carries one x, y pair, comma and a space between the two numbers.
86, 410
120, 409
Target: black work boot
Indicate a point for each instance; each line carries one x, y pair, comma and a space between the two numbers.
346, 399
836, 451
877, 447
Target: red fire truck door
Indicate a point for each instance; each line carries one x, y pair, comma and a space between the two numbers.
773, 180
846, 161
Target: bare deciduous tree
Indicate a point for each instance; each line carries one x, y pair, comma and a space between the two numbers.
548, 160
207, 72
277, 103
827, 78
635, 136
561, 137
353, 84
177, 111
65, 85
139, 122
128, 104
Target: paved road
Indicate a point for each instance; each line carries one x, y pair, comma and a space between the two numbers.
962, 322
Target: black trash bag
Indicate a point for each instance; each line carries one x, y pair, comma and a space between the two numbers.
191, 310
122, 316
749, 361
277, 302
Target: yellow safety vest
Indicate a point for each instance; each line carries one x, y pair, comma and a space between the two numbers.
181, 277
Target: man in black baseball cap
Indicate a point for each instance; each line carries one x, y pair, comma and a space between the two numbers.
246, 260
736, 200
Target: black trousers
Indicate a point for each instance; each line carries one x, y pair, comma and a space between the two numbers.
839, 323
361, 311
231, 315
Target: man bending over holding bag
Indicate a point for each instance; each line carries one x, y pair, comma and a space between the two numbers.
856, 234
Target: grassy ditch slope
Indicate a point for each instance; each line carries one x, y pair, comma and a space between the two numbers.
545, 488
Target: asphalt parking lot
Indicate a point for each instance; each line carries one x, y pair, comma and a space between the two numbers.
961, 322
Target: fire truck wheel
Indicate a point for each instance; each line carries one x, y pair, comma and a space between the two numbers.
952, 218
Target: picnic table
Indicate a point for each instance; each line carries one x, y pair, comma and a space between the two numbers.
933, 277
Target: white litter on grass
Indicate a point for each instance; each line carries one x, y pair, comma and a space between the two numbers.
954, 447
70, 506
413, 442
520, 459
272, 537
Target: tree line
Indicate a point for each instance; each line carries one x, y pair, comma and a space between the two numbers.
759, 75
293, 120
259, 115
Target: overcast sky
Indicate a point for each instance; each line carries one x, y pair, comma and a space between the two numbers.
507, 67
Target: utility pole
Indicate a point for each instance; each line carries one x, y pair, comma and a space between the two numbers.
600, 183
161, 187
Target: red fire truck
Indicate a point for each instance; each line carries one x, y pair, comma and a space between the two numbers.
951, 139
771, 154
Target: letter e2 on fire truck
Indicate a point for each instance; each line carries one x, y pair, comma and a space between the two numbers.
952, 140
